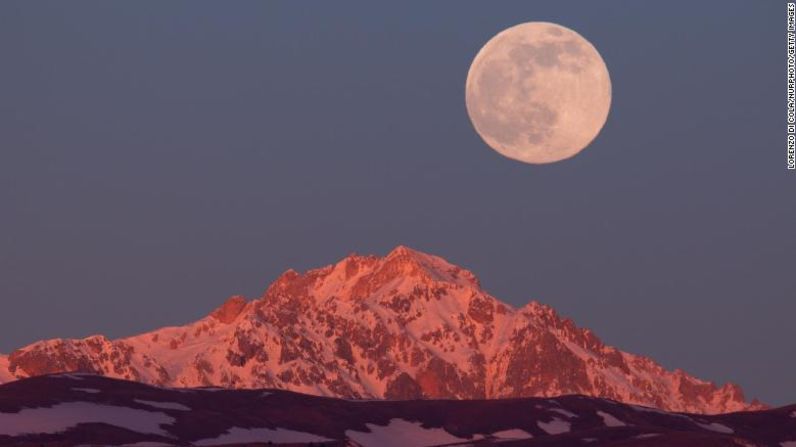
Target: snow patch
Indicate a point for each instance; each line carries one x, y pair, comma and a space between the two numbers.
279, 435
647, 409
554, 427
715, 426
787, 444
87, 390
609, 420
163, 405
657, 411
564, 412
61, 417
514, 433
647, 435
73, 376
183, 390
401, 433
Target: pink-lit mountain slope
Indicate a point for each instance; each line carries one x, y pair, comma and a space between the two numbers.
405, 326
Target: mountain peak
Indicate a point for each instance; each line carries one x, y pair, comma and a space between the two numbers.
429, 267
360, 276
403, 250
405, 325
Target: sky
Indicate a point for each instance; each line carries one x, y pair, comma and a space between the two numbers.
156, 158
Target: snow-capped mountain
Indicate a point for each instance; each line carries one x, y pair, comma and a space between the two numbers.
408, 325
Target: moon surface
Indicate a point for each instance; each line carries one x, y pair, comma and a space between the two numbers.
538, 92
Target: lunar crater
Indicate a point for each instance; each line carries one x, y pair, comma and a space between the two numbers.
547, 55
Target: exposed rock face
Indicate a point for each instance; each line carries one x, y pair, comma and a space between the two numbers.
230, 309
404, 326
403, 387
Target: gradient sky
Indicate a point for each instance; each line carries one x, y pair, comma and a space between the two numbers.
157, 157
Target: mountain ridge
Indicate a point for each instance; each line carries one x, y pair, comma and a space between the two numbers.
84, 409
404, 326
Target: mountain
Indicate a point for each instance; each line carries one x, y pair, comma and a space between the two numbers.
406, 326
79, 409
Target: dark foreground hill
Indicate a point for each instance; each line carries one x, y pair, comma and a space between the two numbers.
80, 409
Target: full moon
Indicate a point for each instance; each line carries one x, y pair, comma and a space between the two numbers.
538, 92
